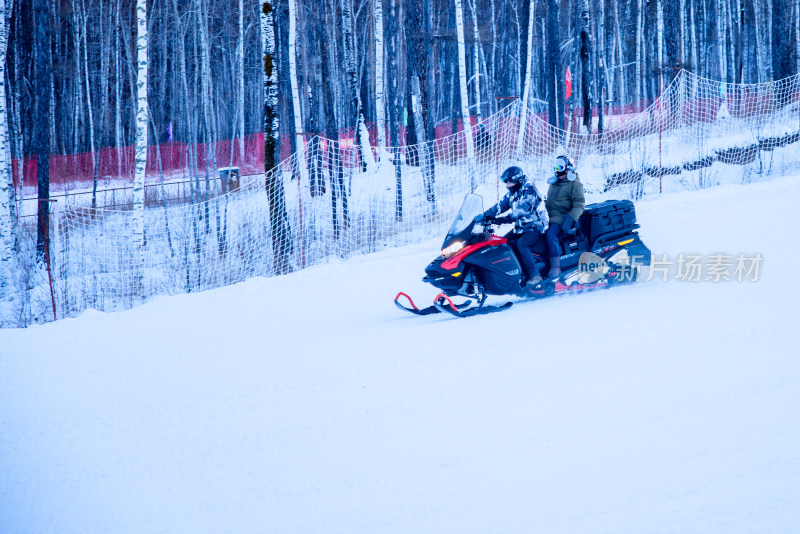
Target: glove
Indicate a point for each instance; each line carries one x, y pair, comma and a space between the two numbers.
503, 220
483, 220
568, 225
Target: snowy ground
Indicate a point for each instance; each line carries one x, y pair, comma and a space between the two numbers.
308, 403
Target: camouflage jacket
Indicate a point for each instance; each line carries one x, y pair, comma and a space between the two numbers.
526, 206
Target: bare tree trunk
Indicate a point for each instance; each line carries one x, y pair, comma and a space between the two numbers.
89, 104
620, 69
282, 246
722, 48
462, 81
476, 59
8, 290
241, 74
523, 114
209, 119
602, 73
639, 55
554, 65
493, 55
380, 108
141, 130
693, 37
394, 108
586, 68
298, 119
120, 142
361, 136
42, 72
760, 48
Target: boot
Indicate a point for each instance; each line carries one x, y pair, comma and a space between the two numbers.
532, 280
555, 267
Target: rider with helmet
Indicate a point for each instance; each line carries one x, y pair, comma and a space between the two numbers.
527, 212
565, 203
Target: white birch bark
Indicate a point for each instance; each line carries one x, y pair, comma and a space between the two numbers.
379, 89
619, 71
462, 80
361, 134
240, 59
298, 121
493, 55
84, 31
8, 295
476, 59
660, 24
271, 82
118, 87
206, 84
523, 114
759, 43
693, 39
603, 63
639, 66
768, 48
722, 44
141, 128
682, 56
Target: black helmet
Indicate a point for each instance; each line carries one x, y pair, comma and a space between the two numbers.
513, 175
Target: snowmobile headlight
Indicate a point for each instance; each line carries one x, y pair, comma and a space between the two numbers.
452, 249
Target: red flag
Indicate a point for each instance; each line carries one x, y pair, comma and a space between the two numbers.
568, 83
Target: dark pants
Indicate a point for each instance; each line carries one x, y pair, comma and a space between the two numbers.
552, 236
528, 245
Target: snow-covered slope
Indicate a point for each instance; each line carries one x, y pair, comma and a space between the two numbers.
309, 403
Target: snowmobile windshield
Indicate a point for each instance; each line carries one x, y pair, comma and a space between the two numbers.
465, 220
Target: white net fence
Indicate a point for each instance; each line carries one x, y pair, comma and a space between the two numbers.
328, 201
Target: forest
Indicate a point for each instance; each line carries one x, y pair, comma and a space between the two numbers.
71, 66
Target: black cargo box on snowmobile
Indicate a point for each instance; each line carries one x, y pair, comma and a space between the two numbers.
608, 220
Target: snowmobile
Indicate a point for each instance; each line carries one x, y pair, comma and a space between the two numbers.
605, 250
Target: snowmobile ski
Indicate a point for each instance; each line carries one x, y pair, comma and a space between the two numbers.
444, 304
424, 311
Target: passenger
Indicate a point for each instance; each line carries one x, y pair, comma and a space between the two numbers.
565, 203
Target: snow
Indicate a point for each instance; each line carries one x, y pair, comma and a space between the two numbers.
309, 403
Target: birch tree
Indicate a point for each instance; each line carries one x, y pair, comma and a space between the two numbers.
298, 120
639, 54
361, 135
554, 65
89, 102
476, 68
380, 107
602, 73
242, 77
8, 294
523, 119
42, 74
462, 81
141, 129
586, 69
276, 197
